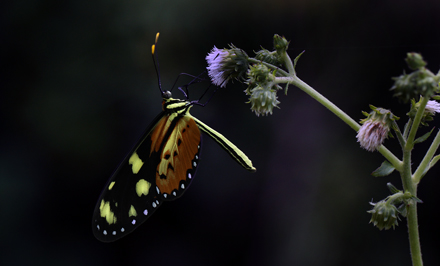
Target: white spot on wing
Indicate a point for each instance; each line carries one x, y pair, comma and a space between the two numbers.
189, 175
122, 229
104, 232
165, 195
145, 212
157, 189
154, 204
133, 222
114, 233
182, 186
174, 193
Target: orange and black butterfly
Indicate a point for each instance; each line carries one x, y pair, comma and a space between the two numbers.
159, 168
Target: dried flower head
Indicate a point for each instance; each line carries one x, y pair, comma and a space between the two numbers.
375, 128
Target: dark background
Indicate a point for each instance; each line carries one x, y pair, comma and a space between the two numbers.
78, 88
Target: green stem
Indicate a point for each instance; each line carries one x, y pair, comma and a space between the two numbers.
413, 227
415, 125
413, 232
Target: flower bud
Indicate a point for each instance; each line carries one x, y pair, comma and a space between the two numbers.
420, 82
263, 100
280, 44
415, 61
384, 215
268, 57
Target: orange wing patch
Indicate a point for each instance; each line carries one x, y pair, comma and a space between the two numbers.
178, 153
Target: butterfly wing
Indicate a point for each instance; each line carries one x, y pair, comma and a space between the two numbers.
160, 167
180, 155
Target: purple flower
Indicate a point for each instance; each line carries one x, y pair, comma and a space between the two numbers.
372, 134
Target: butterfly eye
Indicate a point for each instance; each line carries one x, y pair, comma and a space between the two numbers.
166, 95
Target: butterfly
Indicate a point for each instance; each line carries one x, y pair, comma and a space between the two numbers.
159, 168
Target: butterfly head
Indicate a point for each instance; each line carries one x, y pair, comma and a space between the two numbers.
166, 94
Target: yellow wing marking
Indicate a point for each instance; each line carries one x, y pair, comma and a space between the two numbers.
106, 212
142, 187
111, 185
132, 211
136, 163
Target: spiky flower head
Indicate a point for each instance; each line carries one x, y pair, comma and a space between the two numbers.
268, 57
263, 100
262, 89
384, 215
415, 61
419, 82
375, 128
431, 108
226, 64
280, 44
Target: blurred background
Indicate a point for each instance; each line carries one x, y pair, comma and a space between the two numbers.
78, 88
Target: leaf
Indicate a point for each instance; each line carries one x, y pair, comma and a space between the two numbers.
384, 169
431, 164
392, 188
424, 137
296, 59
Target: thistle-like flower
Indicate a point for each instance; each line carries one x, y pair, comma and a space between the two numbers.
375, 128
384, 215
432, 107
419, 82
263, 100
226, 64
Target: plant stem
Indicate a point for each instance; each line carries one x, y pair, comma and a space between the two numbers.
413, 232
409, 185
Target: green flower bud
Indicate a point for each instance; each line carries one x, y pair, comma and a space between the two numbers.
258, 73
419, 82
384, 215
280, 44
263, 100
268, 57
415, 61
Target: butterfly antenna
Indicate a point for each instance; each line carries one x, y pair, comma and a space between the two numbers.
156, 62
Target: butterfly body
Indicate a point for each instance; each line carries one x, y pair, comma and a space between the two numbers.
159, 168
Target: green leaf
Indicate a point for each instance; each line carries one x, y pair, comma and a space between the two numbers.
423, 138
431, 164
296, 59
436, 97
385, 169
392, 188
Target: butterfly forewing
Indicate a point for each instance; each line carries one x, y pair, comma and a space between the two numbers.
179, 156
160, 167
